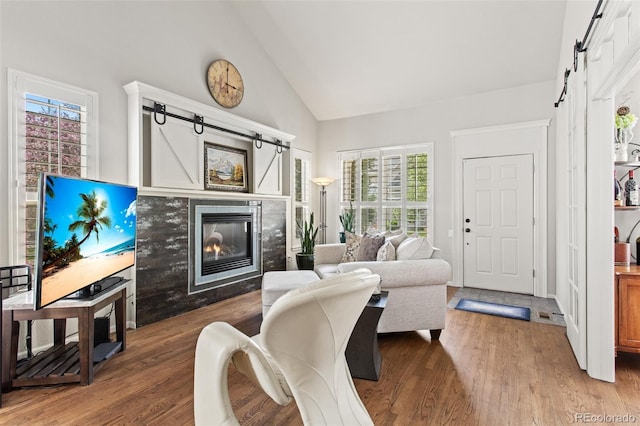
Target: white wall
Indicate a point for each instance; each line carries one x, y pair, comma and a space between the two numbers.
101, 46
433, 123
166, 44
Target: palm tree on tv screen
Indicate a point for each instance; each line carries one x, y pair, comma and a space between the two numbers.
90, 211
91, 221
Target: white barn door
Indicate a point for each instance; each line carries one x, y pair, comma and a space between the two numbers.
574, 204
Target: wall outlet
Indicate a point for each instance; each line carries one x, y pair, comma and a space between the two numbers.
450, 233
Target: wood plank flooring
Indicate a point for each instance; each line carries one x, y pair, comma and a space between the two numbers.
485, 370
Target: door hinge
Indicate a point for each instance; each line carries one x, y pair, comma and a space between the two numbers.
534, 273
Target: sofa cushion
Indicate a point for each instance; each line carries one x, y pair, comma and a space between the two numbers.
414, 249
352, 246
369, 246
405, 273
326, 270
387, 252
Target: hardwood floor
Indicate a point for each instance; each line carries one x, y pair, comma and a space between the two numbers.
484, 370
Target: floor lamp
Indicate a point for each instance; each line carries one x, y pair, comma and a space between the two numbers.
323, 182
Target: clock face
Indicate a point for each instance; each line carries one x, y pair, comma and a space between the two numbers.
225, 83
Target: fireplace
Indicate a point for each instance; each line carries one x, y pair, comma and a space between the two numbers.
225, 243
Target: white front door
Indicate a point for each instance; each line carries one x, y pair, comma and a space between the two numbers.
498, 223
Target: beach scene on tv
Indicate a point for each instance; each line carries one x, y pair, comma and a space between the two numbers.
88, 233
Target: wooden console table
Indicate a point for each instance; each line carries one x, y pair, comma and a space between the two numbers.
63, 362
362, 353
627, 309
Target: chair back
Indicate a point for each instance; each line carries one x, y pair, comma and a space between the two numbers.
306, 332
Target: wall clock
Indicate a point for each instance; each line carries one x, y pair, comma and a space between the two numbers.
225, 83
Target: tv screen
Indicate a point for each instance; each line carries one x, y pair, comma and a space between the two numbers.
86, 232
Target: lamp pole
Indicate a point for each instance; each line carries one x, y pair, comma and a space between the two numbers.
323, 182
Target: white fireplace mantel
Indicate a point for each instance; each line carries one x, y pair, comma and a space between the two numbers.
170, 157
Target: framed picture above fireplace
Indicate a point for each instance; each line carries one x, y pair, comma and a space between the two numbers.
225, 168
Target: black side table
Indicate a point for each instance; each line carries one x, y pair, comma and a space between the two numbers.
363, 353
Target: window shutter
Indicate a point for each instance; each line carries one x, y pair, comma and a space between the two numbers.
349, 179
300, 188
392, 218
55, 139
391, 187
417, 177
370, 178
55, 142
301, 180
392, 178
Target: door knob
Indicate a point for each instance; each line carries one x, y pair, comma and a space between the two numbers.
467, 220
467, 230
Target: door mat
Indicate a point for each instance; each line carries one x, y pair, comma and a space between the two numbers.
543, 310
507, 311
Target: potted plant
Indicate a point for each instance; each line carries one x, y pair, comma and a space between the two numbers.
346, 220
625, 121
308, 233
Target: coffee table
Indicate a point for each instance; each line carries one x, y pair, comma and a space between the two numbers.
363, 353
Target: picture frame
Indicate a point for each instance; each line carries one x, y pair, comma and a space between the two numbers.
225, 168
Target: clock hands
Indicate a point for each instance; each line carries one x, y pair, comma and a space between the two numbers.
225, 83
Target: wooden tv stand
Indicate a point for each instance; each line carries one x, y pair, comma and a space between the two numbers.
64, 362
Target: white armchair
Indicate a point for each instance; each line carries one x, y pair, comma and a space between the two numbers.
298, 354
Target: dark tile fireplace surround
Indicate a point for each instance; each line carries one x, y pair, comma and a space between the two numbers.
162, 257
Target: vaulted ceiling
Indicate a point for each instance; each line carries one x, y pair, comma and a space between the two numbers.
349, 58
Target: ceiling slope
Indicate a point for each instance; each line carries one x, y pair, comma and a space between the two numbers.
350, 58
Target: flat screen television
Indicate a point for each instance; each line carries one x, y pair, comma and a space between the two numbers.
86, 233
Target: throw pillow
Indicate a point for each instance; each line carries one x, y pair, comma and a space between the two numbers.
351, 249
396, 240
392, 233
414, 249
387, 252
372, 230
369, 246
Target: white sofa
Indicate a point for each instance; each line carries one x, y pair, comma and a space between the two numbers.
417, 288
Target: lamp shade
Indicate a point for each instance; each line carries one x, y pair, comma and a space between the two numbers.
323, 181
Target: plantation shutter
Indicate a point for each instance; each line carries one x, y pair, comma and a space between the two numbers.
301, 180
369, 190
349, 167
55, 139
392, 191
301, 190
418, 208
389, 187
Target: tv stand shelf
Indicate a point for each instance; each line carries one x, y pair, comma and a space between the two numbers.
64, 362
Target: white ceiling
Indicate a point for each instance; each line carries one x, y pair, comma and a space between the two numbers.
349, 58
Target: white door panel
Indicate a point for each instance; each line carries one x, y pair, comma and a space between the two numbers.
176, 156
574, 207
498, 212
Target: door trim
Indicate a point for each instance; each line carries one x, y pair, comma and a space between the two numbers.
511, 139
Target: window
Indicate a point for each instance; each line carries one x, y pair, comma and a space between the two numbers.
390, 188
301, 184
55, 139
53, 129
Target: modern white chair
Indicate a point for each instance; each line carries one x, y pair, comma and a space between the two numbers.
298, 354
